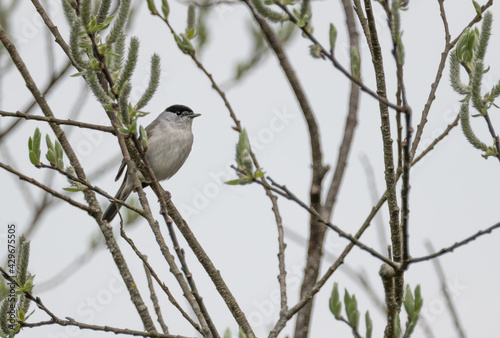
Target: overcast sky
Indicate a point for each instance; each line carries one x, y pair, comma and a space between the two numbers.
455, 192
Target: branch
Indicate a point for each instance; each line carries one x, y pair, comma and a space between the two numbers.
94, 188
337, 65
306, 298
285, 192
55, 79
154, 299
47, 189
437, 140
71, 322
162, 285
201, 312
444, 56
59, 121
456, 245
114, 249
444, 289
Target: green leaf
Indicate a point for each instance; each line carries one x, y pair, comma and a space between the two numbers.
419, 301
165, 8
51, 157
36, 142
99, 27
144, 137
80, 73
34, 147
333, 36
258, 173
335, 304
233, 182
60, 164
227, 333
240, 181
190, 34
59, 151
74, 189
152, 7
397, 326
49, 142
478, 8
34, 159
243, 153
301, 23
409, 302
369, 325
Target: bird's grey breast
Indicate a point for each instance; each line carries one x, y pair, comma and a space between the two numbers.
168, 148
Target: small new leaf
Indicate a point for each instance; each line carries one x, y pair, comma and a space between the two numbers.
144, 137
74, 189
152, 7
243, 159
34, 159
409, 302
34, 147
369, 325
397, 326
335, 303
259, 173
51, 157
165, 8
418, 299
241, 181
59, 151
478, 8
333, 36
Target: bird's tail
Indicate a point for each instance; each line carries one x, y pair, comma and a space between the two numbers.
121, 195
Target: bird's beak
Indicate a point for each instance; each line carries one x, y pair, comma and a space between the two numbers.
194, 115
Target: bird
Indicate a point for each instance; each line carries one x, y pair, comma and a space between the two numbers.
170, 139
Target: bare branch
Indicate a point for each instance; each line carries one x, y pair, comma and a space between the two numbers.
58, 121
444, 289
456, 245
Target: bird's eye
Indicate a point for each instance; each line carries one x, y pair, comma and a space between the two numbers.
179, 113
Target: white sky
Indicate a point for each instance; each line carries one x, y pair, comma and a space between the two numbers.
455, 192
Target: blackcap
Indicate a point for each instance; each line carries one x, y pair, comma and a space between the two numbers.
170, 139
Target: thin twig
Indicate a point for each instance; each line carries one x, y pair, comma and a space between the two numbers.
494, 135
47, 189
71, 322
437, 140
59, 121
90, 197
154, 299
93, 188
162, 285
336, 64
306, 298
456, 245
55, 79
444, 289
203, 315
285, 192
439, 73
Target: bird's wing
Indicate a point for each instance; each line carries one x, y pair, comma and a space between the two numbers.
149, 130
150, 127
120, 171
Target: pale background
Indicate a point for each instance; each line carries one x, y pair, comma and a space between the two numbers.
454, 192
